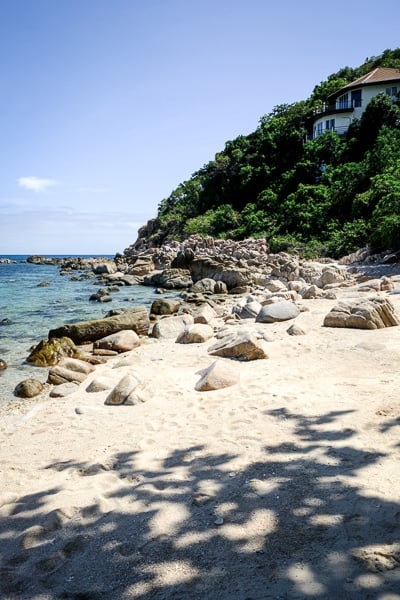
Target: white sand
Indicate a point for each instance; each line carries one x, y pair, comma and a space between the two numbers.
286, 485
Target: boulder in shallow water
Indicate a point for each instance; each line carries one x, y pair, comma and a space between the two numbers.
28, 388
136, 319
49, 352
3, 364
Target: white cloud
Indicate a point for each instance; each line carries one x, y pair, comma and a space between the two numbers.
36, 184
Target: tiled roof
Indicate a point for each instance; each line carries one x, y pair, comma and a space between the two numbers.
378, 75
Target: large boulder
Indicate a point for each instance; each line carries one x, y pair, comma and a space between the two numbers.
170, 279
244, 346
49, 352
129, 391
171, 327
218, 375
196, 334
106, 267
122, 341
165, 306
375, 312
232, 276
278, 311
136, 319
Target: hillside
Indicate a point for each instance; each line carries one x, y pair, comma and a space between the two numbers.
326, 196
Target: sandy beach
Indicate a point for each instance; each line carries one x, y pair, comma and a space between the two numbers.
285, 485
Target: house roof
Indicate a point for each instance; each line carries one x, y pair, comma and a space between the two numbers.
378, 75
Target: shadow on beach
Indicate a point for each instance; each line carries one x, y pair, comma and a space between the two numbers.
294, 525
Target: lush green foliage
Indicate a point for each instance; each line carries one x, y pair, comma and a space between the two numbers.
329, 195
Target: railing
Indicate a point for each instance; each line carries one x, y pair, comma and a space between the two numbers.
338, 106
340, 130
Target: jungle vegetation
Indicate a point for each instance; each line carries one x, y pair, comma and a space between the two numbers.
327, 196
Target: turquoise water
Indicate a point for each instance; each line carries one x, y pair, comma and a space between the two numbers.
27, 312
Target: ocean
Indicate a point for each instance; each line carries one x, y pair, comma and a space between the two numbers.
28, 311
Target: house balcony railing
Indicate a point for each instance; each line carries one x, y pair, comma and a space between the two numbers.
340, 130
338, 106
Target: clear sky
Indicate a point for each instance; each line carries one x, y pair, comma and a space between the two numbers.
107, 105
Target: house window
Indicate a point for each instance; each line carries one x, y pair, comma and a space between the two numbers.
391, 91
356, 99
343, 101
319, 128
330, 124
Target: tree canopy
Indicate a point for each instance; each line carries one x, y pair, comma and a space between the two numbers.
329, 195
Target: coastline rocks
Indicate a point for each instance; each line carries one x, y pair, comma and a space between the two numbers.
122, 341
107, 267
28, 388
128, 391
170, 279
49, 352
102, 295
217, 376
3, 365
208, 268
370, 313
244, 346
136, 319
277, 312
171, 327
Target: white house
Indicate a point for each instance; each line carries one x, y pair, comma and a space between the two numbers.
348, 103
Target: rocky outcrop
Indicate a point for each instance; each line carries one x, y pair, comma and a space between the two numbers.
371, 313
170, 279
136, 319
209, 268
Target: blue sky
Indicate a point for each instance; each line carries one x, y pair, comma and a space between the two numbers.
107, 105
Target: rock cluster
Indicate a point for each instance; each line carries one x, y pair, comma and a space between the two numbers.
221, 284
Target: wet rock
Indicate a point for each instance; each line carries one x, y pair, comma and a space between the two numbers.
50, 352
136, 319
3, 365
28, 388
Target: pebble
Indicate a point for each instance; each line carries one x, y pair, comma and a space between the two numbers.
219, 521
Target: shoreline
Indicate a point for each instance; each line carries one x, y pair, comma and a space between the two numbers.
281, 485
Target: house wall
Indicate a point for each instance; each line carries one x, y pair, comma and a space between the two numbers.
343, 119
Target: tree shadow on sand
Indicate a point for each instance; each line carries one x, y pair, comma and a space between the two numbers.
293, 526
